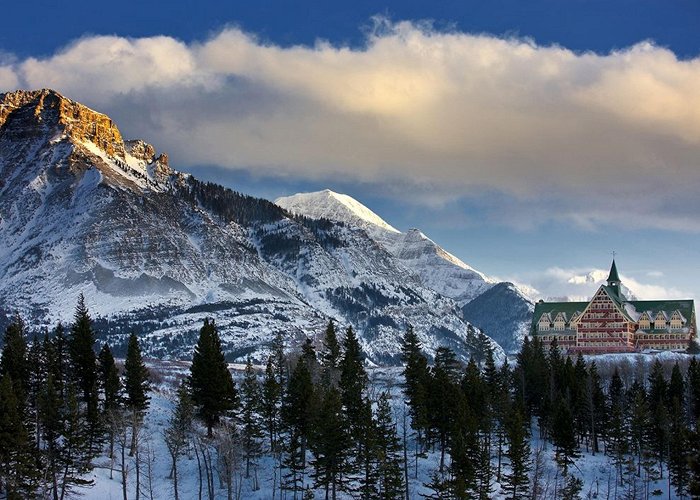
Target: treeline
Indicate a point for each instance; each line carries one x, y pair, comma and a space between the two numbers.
313, 423
484, 419
310, 411
62, 405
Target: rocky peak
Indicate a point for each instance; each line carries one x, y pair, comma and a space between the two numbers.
24, 113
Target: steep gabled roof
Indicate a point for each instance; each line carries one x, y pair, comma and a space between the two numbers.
613, 276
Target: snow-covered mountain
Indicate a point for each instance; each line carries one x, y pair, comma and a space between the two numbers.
436, 268
153, 249
502, 310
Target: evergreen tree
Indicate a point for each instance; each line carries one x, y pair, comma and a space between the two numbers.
416, 380
50, 415
563, 435
271, 402
331, 443
213, 390
390, 460
14, 362
82, 354
617, 427
353, 381
16, 465
111, 388
517, 481
251, 432
298, 416
330, 358
136, 377
179, 429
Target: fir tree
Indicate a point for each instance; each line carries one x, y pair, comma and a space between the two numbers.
16, 467
178, 432
330, 358
271, 402
251, 432
390, 460
213, 390
111, 388
136, 377
13, 361
563, 436
516, 481
330, 445
353, 380
416, 380
81, 345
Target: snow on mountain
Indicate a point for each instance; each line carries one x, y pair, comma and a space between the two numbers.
501, 309
334, 206
435, 268
156, 250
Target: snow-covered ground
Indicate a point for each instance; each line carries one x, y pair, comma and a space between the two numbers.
596, 471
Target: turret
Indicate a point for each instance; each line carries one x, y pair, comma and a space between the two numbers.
614, 280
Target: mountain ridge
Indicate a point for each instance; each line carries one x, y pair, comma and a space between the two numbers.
155, 249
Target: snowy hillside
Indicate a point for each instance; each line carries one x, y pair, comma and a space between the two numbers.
501, 309
82, 210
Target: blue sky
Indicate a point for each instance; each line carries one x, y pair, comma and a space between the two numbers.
531, 139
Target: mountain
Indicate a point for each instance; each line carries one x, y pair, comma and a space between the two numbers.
512, 322
156, 250
501, 310
435, 268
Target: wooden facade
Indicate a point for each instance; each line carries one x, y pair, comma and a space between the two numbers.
609, 323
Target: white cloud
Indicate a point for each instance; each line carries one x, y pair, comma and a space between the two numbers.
553, 134
579, 284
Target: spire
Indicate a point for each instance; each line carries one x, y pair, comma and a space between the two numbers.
613, 277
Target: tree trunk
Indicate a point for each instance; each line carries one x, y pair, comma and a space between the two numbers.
174, 473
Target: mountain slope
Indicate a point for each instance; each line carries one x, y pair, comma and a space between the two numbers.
155, 250
434, 267
503, 312
500, 309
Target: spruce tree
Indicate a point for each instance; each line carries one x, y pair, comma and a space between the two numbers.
178, 432
136, 384
353, 380
213, 390
271, 403
82, 354
251, 431
416, 381
390, 459
14, 362
516, 481
617, 427
331, 444
563, 436
330, 357
16, 464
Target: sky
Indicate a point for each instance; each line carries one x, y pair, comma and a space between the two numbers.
530, 139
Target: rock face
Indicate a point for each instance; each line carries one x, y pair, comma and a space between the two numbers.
156, 250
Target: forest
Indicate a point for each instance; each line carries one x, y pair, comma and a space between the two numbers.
309, 422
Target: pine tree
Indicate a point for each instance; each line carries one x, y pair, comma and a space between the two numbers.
330, 445
84, 369
353, 381
390, 460
111, 388
330, 358
679, 450
13, 361
16, 464
416, 382
271, 403
177, 434
136, 377
563, 435
213, 390
50, 415
251, 432
617, 428
298, 416
516, 481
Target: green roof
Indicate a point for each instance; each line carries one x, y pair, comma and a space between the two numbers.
613, 276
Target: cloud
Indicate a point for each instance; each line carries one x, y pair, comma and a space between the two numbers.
579, 284
538, 133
